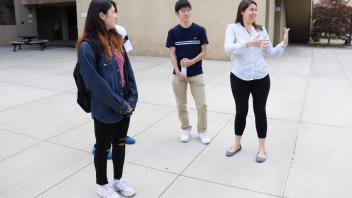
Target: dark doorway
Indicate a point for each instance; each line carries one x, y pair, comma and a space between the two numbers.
57, 22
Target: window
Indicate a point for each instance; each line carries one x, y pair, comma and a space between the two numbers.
7, 12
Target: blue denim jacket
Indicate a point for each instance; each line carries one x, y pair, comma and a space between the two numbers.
109, 100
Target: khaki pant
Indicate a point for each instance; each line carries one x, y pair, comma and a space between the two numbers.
197, 86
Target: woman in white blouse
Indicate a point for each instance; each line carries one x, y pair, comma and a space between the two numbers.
249, 45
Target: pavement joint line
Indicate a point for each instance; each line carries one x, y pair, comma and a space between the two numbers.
32, 118
154, 92
327, 125
208, 181
63, 180
289, 172
231, 186
144, 69
153, 124
24, 84
218, 112
211, 87
309, 75
186, 167
68, 130
21, 134
29, 102
21, 151
343, 69
66, 146
42, 141
58, 134
152, 168
200, 179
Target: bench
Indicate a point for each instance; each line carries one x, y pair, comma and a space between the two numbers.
17, 43
42, 43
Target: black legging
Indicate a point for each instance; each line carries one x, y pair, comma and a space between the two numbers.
105, 135
241, 90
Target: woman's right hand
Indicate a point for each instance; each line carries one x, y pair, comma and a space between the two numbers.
257, 42
130, 109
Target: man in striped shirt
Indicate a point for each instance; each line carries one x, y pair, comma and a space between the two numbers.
188, 46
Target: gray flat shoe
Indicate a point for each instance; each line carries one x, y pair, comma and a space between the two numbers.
230, 153
260, 159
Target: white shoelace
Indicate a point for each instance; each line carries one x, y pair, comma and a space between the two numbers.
109, 189
122, 184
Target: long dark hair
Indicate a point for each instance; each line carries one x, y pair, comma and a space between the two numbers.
241, 8
95, 28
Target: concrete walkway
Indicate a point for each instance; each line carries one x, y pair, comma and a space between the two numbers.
46, 139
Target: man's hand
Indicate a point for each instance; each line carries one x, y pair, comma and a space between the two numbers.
180, 75
185, 62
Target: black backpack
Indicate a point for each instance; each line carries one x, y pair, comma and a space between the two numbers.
83, 94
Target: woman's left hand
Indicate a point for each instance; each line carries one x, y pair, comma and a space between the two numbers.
286, 30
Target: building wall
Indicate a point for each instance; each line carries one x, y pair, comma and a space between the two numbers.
280, 21
270, 24
38, 2
26, 24
148, 23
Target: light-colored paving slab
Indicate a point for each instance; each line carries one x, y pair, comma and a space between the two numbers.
14, 95
146, 116
11, 144
159, 146
284, 104
46, 139
82, 137
147, 182
329, 102
241, 170
152, 79
299, 66
38, 169
285, 99
52, 123
28, 111
190, 188
322, 163
282, 82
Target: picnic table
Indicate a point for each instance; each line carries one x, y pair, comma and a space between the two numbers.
28, 40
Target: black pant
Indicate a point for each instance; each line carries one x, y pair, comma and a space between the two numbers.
241, 90
105, 136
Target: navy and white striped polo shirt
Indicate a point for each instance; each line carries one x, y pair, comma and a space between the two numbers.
188, 43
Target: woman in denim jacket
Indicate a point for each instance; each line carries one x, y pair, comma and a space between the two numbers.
110, 80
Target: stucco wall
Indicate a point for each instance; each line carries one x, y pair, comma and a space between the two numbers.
147, 23
23, 25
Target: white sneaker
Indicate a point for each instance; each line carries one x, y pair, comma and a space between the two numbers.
107, 191
185, 135
204, 138
121, 187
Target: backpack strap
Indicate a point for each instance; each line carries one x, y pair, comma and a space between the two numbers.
95, 48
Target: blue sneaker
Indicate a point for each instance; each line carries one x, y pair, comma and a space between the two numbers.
108, 153
130, 140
